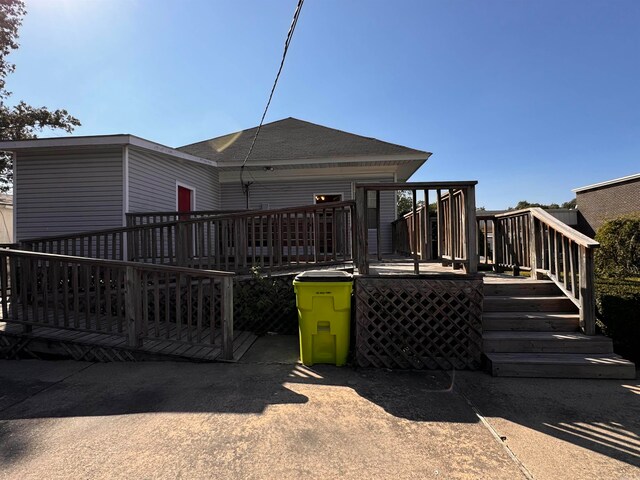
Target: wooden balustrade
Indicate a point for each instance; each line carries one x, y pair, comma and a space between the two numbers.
269, 239
144, 218
533, 240
456, 224
138, 301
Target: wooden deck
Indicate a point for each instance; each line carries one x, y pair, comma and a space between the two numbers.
85, 345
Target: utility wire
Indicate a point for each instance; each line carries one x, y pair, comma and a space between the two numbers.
287, 42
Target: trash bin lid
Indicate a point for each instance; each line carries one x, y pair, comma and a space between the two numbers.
324, 276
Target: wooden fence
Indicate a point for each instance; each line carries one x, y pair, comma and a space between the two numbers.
130, 299
533, 240
269, 239
456, 224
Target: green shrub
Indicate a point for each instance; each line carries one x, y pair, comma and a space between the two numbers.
265, 304
619, 252
618, 311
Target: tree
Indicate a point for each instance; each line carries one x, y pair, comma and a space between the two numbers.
20, 121
525, 204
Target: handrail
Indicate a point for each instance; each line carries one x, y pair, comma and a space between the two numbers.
134, 300
552, 221
269, 239
152, 267
532, 239
412, 233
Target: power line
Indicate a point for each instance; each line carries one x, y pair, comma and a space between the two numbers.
287, 42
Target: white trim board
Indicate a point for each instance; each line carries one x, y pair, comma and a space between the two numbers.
102, 141
193, 194
607, 183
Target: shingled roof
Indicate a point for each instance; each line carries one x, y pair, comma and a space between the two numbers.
293, 139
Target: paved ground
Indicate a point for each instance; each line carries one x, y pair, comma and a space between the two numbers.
270, 418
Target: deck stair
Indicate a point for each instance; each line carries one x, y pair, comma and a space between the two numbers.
530, 329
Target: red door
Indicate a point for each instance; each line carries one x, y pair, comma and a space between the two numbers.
184, 199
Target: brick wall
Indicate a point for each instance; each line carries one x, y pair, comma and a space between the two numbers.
607, 202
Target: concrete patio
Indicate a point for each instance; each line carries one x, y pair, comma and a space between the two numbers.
269, 417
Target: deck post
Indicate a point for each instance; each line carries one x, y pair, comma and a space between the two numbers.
587, 299
535, 249
362, 240
227, 317
416, 231
133, 307
440, 219
497, 245
378, 233
470, 227
426, 229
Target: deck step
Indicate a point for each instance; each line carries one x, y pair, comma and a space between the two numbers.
521, 288
512, 303
560, 365
531, 321
545, 342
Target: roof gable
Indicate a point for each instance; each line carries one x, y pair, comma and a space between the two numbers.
293, 139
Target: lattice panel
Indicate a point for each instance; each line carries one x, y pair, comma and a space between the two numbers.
265, 304
415, 323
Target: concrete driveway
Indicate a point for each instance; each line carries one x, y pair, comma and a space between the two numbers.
271, 418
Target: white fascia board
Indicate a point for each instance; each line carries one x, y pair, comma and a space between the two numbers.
338, 173
101, 141
607, 183
323, 160
159, 148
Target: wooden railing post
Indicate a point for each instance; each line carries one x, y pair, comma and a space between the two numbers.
182, 247
587, 298
497, 245
362, 233
133, 307
534, 248
470, 227
227, 317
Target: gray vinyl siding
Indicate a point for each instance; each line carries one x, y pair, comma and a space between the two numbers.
62, 193
152, 182
298, 193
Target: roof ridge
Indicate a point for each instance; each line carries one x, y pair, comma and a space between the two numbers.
313, 124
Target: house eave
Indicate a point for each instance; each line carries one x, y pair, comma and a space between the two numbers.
100, 141
607, 183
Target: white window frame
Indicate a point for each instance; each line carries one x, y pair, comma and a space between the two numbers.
193, 194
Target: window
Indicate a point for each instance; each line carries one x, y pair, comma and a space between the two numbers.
372, 212
327, 197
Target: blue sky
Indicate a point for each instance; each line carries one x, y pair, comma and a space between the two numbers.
531, 98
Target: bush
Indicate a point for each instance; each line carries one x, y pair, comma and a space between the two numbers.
618, 311
619, 252
265, 304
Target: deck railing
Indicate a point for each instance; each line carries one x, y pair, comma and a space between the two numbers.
144, 218
270, 239
456, 224
533, 240
138, 301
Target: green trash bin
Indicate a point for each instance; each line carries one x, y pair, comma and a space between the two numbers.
323, 298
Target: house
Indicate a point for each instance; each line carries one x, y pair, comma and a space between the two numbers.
603, 201
73, 184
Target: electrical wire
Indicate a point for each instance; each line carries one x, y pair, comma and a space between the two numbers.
287, 42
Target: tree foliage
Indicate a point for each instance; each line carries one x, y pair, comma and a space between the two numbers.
20, 121
619, 252
525, 204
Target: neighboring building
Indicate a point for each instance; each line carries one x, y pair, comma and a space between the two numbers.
74, 184
6, 218
603, 201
